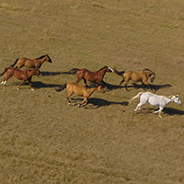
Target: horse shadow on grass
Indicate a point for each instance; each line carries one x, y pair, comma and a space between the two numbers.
97, 102
154, 87
172, 111
70, 72
38, 85
166, 110
113, 86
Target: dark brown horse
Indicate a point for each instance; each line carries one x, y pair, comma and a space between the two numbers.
24, 75
83, 91
31, 63
141, 76
97, 76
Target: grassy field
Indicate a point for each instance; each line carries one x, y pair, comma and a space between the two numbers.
43, 140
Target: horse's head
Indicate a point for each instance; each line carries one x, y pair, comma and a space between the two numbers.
48, 59
176, 99
152, 77
150, 74
110, 70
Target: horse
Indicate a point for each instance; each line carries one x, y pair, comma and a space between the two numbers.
97, 76
155, 100
31, 63
141, 76
79, 90
24, 75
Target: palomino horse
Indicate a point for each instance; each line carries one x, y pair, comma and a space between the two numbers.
83, 91
97, 76
155, 100
141, 76
24, 75
31, 63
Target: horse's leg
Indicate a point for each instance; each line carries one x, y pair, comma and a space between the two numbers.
84, 102
29, 80
138, 106
126, 84
85, 81
20, 63
4, 81
9, 75
142, 102
159, 111
68, 97
103, 84
20, 84
121, 82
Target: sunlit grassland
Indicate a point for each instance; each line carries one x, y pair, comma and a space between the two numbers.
43, 140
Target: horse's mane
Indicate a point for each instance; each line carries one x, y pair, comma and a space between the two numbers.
102, 68
146, 69
42, 56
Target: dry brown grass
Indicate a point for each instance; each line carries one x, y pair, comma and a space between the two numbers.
43, 140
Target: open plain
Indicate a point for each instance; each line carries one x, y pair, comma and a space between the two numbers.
43, 140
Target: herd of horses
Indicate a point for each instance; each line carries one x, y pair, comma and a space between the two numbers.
33, 65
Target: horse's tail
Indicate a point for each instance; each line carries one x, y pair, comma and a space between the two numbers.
61, 88
130, 101
5, 70
15, 62
119, 72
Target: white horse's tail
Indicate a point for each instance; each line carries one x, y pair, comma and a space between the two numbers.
130, 101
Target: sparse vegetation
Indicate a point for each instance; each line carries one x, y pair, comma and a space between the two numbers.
43, 140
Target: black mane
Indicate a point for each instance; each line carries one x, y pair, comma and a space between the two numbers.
41, 56
102, 68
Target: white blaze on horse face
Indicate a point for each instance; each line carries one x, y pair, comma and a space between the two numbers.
111, 69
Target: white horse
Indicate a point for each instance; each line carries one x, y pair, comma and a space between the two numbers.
155, 100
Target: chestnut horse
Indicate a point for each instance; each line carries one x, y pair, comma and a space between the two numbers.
97, 76
24, 75
31, 63
83, 91
141, 76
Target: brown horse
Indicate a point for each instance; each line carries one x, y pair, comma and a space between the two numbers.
31, 63
97, 76
24, 75
141, 76
83, 91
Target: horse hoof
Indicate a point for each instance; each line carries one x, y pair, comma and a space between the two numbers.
17, 88
3, 83
32, 89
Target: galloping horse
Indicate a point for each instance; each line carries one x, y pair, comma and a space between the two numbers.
83, 91
31, 63
155, 100
141, 76
97, 76
24, 75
